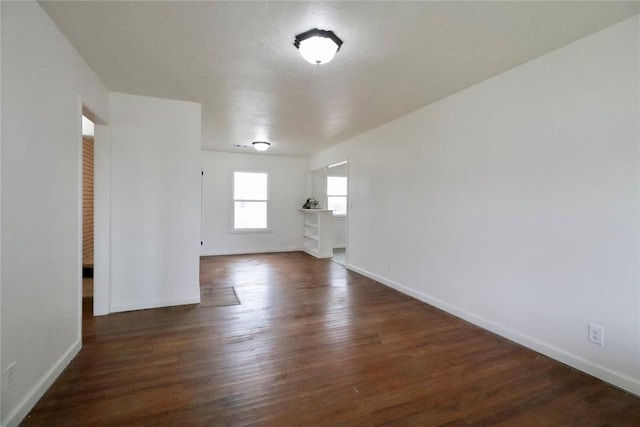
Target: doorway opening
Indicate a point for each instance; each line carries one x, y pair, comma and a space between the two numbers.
88, 131
337, 201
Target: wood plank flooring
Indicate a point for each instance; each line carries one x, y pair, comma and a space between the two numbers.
314, 344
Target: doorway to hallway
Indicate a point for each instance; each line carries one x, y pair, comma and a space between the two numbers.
87, 212
337, 197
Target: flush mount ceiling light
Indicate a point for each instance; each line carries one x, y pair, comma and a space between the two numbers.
261, 145
318, 46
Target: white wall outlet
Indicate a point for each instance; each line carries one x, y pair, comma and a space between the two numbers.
389, 266
11, 375
596, 334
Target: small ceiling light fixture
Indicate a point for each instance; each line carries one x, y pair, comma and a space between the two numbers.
261, 145
318, 46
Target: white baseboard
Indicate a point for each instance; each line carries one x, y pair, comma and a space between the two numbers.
152, 304
316, 255
32, 397
605, 374
252, 251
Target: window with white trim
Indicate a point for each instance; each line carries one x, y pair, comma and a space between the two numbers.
250, 200
337, 194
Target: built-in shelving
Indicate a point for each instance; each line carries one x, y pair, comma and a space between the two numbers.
317, 233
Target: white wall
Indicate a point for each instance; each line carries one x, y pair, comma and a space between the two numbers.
339, 232
515, 203
155, 202
287, 193
318, 186
1, 365
44, 84
102, 221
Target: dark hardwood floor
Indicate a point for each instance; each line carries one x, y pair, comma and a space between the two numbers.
314, 344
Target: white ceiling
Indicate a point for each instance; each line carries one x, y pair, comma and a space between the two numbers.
238, 58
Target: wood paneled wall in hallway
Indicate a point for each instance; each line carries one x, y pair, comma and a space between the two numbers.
87, 200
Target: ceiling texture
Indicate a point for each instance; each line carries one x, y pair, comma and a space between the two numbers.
238, 59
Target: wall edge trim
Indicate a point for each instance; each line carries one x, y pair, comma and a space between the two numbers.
253, 251
147, 305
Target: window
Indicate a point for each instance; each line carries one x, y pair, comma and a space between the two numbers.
337, 194
250, 190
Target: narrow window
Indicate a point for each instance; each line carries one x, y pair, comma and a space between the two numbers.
337, 194
250, 199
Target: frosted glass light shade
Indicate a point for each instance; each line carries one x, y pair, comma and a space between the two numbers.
318, 46
261, 145
318, 50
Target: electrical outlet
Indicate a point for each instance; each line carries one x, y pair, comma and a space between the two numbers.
389, 266
596, 334
11, 375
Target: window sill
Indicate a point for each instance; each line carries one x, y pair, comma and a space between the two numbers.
250, 230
